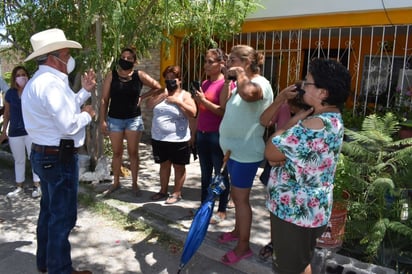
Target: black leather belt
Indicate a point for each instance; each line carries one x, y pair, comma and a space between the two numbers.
48, 150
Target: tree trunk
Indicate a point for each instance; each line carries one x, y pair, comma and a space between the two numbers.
94, 141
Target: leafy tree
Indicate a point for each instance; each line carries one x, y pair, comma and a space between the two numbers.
108, 25
103, 27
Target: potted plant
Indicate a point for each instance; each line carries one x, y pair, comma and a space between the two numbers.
406, 129
373, 157
335, 231
345, 183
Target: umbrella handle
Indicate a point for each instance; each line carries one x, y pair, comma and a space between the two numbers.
225, 159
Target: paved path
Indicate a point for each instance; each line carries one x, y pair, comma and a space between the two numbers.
102, 246
98, 243
176, 219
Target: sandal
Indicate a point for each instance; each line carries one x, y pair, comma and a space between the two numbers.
111, 190
173, 199
266, 252
230, 204
231, 257
227, 237
158, 196
136, 190
216, 219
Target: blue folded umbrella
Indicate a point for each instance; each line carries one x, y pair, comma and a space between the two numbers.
201, 220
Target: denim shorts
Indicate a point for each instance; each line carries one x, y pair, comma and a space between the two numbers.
119, 125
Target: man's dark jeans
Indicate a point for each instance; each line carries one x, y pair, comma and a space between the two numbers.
58, 210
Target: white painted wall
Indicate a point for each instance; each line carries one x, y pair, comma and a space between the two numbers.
282, 8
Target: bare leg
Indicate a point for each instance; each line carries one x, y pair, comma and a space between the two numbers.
116, 138
165, 169
243, 214
133, 140
180, 177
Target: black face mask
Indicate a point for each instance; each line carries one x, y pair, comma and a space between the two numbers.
125, 65
171, 85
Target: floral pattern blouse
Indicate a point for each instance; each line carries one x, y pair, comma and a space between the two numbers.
301, 191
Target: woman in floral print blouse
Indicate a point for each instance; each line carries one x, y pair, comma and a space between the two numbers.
304, 155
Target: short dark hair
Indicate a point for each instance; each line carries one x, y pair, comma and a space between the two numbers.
132, 51
332, 76
43, 58
172, 69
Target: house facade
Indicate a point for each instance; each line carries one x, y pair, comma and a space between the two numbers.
372, 38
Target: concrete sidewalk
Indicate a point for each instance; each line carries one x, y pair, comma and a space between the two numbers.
98, 243
174, 220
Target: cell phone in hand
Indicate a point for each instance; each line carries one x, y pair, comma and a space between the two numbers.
232, 77
298, 100
194, 86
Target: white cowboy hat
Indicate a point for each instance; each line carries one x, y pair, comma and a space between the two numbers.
50, 40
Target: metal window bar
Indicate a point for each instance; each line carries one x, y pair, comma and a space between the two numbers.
391, 74
374, 55
357, 72
407, 64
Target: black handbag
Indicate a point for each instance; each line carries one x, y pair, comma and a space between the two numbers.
264, 177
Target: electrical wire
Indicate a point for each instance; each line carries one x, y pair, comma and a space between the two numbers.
386, 12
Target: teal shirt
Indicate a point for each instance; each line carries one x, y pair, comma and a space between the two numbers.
240, 129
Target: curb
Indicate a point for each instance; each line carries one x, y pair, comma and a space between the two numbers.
324, 261
208, 248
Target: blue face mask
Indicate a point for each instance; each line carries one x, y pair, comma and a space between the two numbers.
171, 85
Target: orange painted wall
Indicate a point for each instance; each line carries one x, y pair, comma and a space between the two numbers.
366, 19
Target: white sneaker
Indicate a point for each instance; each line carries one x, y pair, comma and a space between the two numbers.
36, 192
15, 193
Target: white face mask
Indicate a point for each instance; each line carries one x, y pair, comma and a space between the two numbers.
21, 81
70, 65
